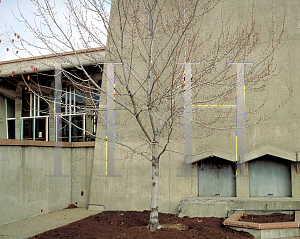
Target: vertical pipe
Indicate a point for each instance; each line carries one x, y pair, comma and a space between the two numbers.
58, 125
240, 123
110, 120
188, 139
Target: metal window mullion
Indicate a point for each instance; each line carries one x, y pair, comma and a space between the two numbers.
34, 114
34, 105
22, 122
70, 100
6, 118
67, 105
83, 126
94, 124
30, 105
70, 127
34, 128
47, 118
39, 106
74, 101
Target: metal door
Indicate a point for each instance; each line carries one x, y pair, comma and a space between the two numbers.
216, 178
270, 176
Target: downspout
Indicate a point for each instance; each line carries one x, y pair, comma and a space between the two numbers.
296, 162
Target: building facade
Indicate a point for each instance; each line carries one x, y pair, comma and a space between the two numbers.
271, 143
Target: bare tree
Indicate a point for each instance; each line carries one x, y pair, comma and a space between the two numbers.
153, 40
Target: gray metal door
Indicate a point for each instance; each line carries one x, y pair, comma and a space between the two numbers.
216, 178
270, 176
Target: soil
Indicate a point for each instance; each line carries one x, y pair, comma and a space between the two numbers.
275, 217
71, 206
133, 224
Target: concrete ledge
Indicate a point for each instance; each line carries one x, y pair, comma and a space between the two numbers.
217, 152
219, 206
233, 221
288, 233
231, 156
265, 230
36, 143
270, 150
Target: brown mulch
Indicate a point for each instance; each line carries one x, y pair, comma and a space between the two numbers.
71, 206
133, 224
274, 217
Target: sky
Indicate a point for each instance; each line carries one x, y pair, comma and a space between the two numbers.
9, 25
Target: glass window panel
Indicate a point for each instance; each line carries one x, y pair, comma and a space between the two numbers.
80, 100
77, 132
65, 129
40, 129
96, 100
44, 108
64, 102
11, 129
25, 104
28, 129
72, 95
10, 108
36, 105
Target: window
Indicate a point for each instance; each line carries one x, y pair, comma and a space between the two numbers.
35, 117
10, 118
73, 116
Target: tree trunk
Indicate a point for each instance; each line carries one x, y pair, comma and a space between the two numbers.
153, 222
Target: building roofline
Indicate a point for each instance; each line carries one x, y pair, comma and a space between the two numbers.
52, 55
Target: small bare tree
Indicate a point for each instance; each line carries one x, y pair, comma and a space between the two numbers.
150, 39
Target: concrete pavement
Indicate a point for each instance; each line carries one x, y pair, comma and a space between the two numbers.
36, 225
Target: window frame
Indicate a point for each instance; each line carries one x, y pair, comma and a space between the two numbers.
34, 113
70, 109
7, 119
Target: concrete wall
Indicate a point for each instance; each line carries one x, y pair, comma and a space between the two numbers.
133, 191
27, 191
272, 115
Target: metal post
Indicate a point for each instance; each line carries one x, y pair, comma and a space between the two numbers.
57, 125
110, 123
188, 131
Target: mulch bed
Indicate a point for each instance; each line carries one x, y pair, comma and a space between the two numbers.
274, 217
133, 224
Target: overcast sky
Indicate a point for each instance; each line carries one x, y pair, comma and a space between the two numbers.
9, 11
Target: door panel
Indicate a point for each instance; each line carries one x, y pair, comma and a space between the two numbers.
270, 176
216, 178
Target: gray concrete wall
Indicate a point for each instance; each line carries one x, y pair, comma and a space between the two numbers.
27, 191
272, 115
2, 118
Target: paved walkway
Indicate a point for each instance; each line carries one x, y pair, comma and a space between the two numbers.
36, 225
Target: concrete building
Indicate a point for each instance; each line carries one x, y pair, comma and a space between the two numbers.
270, 151
31, 182
271, 178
